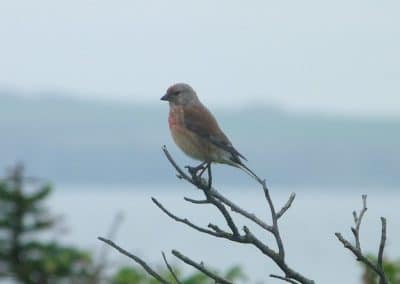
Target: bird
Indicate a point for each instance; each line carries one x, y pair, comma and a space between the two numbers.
197, 133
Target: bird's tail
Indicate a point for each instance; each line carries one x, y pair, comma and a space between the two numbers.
244, 168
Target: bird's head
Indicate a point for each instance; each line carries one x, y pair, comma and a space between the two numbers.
180, 94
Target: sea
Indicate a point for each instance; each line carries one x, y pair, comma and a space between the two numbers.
127, 215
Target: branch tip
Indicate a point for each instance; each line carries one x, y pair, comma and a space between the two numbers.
200, 266
356, 249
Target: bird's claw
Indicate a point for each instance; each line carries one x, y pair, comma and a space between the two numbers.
192, 170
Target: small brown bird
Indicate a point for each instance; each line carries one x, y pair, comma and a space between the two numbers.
195, 130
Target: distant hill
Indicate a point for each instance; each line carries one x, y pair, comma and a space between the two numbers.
73, 141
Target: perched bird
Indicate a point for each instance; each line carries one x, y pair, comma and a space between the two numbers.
197, 133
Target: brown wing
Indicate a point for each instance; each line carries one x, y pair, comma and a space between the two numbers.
199, 120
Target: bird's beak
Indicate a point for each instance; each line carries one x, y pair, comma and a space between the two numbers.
165, 97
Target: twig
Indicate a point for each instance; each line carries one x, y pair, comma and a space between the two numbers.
356, 252
183, 220
195, 201
382, 243
283, 278
356, 249
175, 165
103, 254
200, 267
235, 208
149, 270
224, 212
170, 268
275, 228
358, 220
286, 206
138, 260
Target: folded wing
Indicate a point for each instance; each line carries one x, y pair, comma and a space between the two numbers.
199, 120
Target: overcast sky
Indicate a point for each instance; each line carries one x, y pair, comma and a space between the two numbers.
338, 56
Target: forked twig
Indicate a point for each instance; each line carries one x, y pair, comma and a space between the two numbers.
138, 260
170, 268
200, 267
156, 275
356, 249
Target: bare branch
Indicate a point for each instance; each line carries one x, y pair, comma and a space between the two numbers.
283, 278
103, 254
382, 243
224, 212
275, 228
217, 232
183, 220
138, 260
356, 230
170, 268
286, 206
202, 185
356, 252
215, 198
195, 201
149, 270
235, 208
181, 173
251, 238
200, 267
356, 249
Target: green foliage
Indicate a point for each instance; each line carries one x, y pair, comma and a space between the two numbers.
133, 275
391, 268
128, 275
22, 216
54, 259
235, 273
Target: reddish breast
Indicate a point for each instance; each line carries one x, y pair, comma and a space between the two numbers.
175, 118
186, 140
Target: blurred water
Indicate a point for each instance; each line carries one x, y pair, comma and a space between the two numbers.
307, 229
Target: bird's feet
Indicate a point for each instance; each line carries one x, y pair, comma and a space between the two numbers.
194, 170
197, 172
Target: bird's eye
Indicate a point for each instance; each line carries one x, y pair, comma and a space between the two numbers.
175, 93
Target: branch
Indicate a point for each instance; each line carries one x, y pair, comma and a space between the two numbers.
184, 220
235, 208
382, 243
103, 256
181, 173
358, 220
195, 201
224, 212
215, 198
286, 206
149, 270
356, 249
170, 268
200, 267
275, 228
138, 260
200, 184
283, 278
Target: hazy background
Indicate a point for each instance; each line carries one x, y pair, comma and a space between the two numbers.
338, 57
82, 142
308, 91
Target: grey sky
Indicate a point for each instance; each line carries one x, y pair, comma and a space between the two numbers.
341, 56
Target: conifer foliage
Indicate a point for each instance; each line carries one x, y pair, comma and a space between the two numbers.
24, 255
